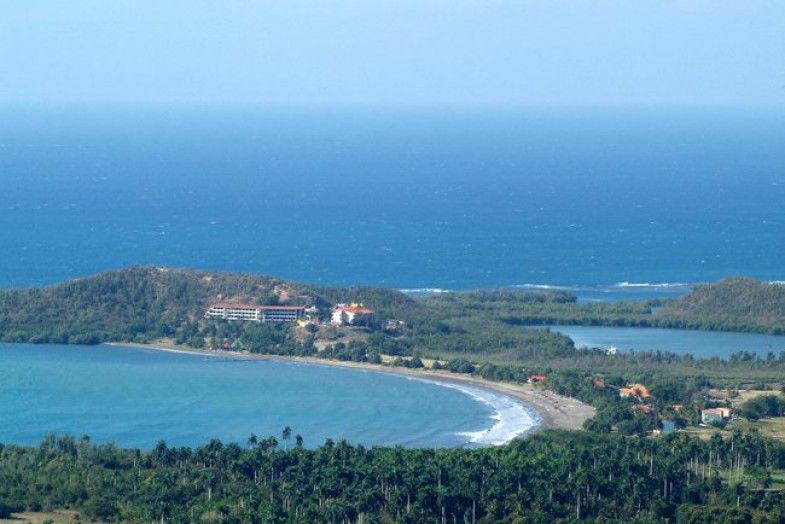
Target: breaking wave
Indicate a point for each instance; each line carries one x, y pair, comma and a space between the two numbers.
589, 292
600, 287
425, 291
511, 417
545, 286
651, 285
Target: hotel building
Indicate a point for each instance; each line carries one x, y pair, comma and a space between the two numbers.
256, 313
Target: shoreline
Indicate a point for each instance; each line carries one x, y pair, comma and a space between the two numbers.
552, 411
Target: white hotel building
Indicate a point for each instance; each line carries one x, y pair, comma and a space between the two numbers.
256, 313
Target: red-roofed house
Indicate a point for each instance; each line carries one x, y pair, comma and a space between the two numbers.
634, 390
346, 314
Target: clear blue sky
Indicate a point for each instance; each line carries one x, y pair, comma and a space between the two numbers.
420, 52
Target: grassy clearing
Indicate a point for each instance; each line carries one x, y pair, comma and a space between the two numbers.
769, 427
39, 517
778, 479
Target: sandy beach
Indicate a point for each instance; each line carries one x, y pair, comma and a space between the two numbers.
555, 411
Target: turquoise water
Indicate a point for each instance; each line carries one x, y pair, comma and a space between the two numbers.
704, 344
135, 397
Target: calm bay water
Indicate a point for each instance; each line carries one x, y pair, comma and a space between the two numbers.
402, 198
136, 397
705, 344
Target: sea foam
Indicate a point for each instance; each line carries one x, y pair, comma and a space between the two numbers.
425, 290
651, 284
543, 286
511, 418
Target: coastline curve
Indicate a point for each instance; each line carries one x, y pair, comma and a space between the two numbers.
519, 409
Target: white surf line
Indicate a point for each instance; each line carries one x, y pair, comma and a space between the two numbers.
425, 290
512, 418
626, 284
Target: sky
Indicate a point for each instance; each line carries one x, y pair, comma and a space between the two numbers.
670, 53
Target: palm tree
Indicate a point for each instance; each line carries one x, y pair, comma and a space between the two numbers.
286, 435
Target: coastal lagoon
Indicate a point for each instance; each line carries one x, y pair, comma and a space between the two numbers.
704, 344
135, 397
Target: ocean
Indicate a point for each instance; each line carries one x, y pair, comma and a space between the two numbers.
136, 397
614, 203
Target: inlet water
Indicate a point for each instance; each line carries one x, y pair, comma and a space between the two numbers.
703, 344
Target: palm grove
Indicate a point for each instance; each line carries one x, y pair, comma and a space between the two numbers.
552, 476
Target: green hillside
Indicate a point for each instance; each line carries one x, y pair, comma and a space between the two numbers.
142, 303
733, 304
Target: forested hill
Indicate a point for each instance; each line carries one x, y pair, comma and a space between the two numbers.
143, 303
733, 304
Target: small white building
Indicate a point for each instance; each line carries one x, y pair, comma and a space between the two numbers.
228, 311
346, 314
715, 415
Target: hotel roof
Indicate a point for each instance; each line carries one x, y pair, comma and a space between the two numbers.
356, 309
227, 305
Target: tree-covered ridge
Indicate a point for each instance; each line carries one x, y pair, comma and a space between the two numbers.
734, 304
119, 305
142, 303
525, 307
550, 477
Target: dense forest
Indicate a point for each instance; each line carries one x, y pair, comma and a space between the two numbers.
550, 477
734, 304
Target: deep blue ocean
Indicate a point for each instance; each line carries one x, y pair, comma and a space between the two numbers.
408, 198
